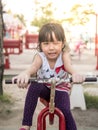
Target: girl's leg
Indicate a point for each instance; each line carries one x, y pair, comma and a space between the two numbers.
34, 91
62, 102
45, 94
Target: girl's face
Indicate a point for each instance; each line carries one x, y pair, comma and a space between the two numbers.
52, 49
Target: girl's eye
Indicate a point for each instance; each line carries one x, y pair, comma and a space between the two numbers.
55, 43
45, 43
58, 42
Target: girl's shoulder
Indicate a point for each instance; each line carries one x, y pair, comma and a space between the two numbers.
66, 56
64, 53
42, 55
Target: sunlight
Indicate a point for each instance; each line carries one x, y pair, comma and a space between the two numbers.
27, 7
20, 7
61, 10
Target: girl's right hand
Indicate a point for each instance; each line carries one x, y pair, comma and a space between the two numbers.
21, 80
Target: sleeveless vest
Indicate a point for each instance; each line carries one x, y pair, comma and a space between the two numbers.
58, 71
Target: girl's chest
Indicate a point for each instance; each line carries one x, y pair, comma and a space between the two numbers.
51, 64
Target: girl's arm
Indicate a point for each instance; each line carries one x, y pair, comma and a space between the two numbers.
36, 64
76, 77
67, 63
23, 77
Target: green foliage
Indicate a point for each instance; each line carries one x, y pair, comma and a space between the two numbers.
21, 18
78, 15
43, 15
5, 98
40, 22
91, 101
6, 103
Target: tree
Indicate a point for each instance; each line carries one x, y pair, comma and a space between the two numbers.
21, 18
80, 14
1, 48
43, 14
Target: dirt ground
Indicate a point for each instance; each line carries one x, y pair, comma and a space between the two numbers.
11, 113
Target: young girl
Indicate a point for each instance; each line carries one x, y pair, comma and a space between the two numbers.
53, 60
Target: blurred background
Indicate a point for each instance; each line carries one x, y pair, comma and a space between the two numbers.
77, 17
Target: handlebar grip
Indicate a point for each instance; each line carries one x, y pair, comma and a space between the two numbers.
91, 79
88, 79
9, 81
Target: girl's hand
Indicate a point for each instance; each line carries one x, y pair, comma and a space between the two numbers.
21, 80
77, 78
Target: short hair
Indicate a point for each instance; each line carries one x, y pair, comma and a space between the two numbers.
45, 34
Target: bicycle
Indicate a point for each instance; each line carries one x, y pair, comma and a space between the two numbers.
50, 109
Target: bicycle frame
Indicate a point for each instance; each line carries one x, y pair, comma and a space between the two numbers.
41, 120
50, 111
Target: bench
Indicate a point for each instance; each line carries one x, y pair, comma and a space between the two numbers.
11, 46
31, 41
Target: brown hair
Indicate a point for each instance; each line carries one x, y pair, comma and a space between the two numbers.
45, 34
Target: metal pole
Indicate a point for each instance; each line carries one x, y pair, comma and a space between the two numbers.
96, 41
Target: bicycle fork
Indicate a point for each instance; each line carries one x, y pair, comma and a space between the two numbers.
51, 111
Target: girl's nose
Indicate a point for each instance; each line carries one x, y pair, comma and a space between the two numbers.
51, 45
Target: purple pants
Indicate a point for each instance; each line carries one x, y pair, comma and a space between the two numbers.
62, 102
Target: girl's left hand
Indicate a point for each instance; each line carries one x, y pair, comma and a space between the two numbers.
78, 78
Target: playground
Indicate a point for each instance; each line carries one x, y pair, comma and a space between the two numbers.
11, 114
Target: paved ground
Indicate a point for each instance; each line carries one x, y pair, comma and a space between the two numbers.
86, 65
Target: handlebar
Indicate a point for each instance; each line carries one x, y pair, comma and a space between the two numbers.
49, 80
53, 82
